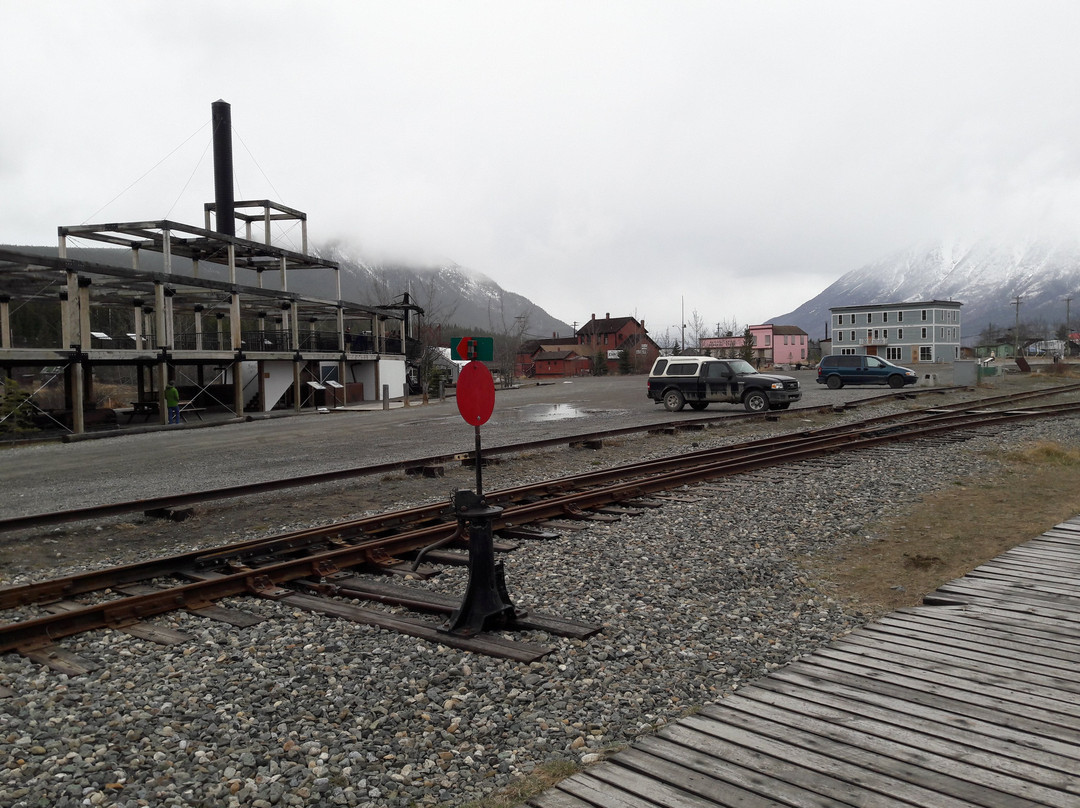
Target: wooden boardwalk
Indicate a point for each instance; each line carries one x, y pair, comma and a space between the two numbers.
970, 700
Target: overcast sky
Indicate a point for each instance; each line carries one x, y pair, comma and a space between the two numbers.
638, 158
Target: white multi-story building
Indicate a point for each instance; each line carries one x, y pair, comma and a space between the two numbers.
926, 331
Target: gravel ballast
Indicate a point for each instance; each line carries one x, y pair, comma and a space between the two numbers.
695, 599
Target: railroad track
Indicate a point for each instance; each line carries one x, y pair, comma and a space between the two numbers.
329, 569
177, 503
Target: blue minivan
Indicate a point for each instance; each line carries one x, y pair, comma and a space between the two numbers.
836, 371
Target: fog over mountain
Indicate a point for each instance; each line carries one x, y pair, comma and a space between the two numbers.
986, 276
450, 294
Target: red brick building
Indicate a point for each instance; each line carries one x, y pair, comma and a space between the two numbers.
606, 338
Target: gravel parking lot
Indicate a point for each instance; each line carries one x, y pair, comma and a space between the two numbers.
140, 465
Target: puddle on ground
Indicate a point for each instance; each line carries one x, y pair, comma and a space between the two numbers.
531, 413
557, 412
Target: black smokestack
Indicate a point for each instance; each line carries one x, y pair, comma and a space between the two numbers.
223, 173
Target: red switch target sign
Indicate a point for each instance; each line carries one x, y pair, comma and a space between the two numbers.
475, 393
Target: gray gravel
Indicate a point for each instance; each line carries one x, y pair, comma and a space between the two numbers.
695, 600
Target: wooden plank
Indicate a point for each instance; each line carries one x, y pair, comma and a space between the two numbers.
1059, 674
671, 763
902, 782
162, 635
490, 644
441, 603
1024, 620
927, 701
986, 743
972, 634
596, 793
1009, 692
657, 793
989, 697
224, 614
751, 770
891, 742
1002, 598
993, 626
61, 661
556, 798
1023, 737
234, 617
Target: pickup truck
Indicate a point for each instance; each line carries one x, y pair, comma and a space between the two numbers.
676, 381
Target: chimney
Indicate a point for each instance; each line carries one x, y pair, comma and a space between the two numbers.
607, 316
223, 168
593, 315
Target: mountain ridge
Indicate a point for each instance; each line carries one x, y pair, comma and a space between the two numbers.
986, 276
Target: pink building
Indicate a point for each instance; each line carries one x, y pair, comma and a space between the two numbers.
772, 344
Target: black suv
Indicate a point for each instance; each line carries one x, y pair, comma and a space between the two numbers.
836, 371
700, 380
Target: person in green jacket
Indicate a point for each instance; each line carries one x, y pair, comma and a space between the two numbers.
172, 401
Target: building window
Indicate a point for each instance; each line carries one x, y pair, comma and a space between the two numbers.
923, 334
885, 333
768, 340
924, 315
868, 316
926, 353
884, 316
894, 354
785, 339
853, 319
853, 333
899, 333
847, 351
899, 316
802, 340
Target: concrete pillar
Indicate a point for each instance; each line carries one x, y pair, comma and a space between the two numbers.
65, 321
73, 336
234, 322
84, 336
160, 334
5, 321
298, 393
137, 323
78, 421
198, 328
162, 382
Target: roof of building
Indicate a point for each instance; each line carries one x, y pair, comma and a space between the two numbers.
606, 325
788, 329
556, 355
905, 304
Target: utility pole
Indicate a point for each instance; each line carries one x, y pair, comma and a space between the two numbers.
1016, 330
682, 304
1068, 327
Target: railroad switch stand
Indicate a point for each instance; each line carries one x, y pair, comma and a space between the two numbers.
486, 604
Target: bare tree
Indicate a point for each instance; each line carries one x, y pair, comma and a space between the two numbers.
438, 312
698, 329
510, 331
668, 344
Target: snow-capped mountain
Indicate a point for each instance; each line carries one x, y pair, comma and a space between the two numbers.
985, 276
449, 293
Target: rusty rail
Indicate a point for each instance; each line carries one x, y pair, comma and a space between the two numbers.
223, 572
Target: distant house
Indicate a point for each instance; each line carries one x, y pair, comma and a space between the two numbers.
770, 344
605, 339
559, 364
925, 331
527, 353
